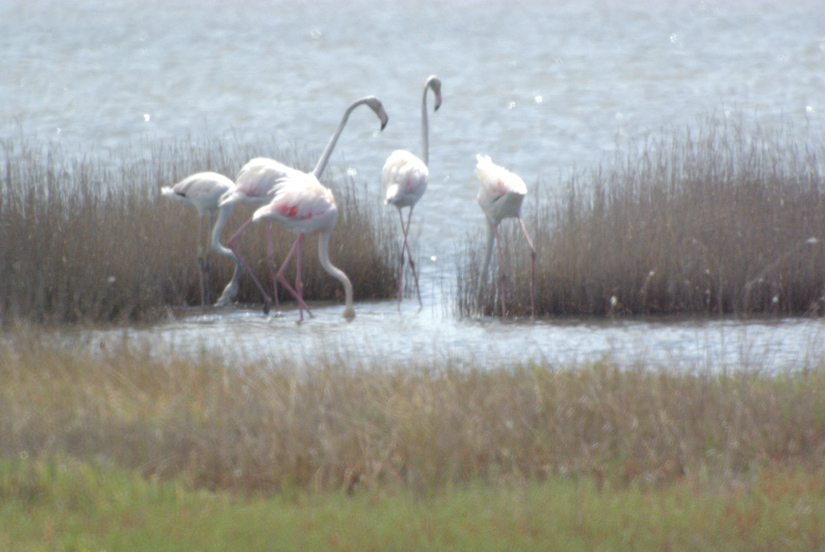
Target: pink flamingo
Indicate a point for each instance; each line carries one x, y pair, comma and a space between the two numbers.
259, 179
303, 205
203, 191
404, 178
500, 197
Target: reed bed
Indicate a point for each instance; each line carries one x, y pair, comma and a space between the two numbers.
90, 238
338, 425
714, 220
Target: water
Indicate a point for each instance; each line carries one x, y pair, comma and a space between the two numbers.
542, 87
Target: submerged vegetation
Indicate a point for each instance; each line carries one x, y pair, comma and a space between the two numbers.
716, 220
91, 239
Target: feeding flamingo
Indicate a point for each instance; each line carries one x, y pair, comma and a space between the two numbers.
303, 205
203, 191
500, 197
259, 179
404, 178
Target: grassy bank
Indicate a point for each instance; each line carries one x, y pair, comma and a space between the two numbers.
713, 220
89, 239
348, 425
62, 504
120, 449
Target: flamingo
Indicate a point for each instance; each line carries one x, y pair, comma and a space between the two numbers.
404, 178
203, 191
258, 181
303, 205
500, 197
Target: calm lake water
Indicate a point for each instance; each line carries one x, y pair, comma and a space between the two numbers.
542, 87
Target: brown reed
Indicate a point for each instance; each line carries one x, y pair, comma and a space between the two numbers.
90, 239
717, 220
338, 424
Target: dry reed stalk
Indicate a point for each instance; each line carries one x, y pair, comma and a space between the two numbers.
338, 425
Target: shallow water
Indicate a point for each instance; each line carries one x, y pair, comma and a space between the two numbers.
542, 87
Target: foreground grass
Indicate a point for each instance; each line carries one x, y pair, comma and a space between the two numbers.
340, 425
63, 504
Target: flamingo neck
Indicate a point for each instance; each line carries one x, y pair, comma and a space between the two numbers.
337, 273
425, 140
322, 162
223, 215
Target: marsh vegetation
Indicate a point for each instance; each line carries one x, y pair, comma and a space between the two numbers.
717, 220
91, 240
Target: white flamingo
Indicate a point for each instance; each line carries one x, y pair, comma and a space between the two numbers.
258, 180
203, 191
404, 178
303, 205
500, 197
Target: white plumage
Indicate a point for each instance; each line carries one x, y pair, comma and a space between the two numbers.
404, 178
203, 191
500, 196
260, 178
303, 205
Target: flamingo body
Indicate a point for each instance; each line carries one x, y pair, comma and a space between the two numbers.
500, 196
203, 191
404, 178
303, 205
501, 193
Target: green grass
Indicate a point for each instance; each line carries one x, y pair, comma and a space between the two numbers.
63, 504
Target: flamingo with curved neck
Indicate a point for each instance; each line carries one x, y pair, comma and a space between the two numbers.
203, 191
404, 178
259, 180
303, 205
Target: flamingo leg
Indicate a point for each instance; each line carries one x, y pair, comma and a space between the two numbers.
272, 266
503, 272
409, 256
532, 268
401, 263
231, 245
280, 276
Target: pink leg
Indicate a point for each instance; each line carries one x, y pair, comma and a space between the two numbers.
272, 267
503, 291
532, 267
231, 246
405, 246
280, 276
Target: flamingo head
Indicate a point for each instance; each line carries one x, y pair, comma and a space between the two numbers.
434, 83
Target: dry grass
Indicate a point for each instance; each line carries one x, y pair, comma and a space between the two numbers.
336, 425
717, 220
91, 240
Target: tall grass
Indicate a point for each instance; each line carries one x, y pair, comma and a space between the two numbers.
715, 220
335, 425
90, 239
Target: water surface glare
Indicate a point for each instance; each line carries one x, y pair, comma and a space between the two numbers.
380, 336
